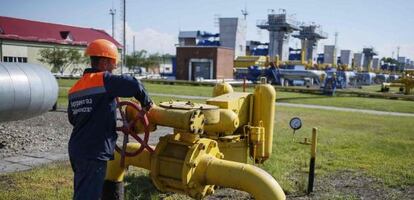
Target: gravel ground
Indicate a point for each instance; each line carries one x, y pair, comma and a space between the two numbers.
49, 132
44, 133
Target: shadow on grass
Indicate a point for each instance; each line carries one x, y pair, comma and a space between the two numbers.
139, 187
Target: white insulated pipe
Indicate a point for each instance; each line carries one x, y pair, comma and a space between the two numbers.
26, 90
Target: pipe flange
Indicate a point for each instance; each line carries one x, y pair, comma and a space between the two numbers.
192, 180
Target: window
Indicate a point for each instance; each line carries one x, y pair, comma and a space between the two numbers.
15, 59
7, 59
66, 35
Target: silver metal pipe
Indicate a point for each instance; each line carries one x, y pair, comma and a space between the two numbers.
26, 90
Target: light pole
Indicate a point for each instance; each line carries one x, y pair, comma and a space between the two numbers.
112, 12
124, 38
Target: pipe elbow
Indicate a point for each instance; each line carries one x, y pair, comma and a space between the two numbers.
114, 170
244, 177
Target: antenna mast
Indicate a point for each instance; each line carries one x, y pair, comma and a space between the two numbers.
123, 15
336, 39
112, 12
398, 52
245, 12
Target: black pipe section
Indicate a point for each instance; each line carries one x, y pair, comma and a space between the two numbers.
311, 175
113, 190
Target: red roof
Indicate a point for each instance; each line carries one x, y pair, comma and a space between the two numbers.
28, 30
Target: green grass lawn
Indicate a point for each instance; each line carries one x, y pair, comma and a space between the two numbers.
352, 102
375, 88
48, 183
379, 146
288, 97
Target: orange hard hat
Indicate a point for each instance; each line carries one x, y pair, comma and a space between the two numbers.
102, 48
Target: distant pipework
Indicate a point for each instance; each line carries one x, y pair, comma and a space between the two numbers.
369, 54
26, 90
309, 36
280, 26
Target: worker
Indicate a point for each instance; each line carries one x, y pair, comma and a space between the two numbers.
92, 112
334, 84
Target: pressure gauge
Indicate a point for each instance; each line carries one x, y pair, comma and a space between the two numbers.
295, 123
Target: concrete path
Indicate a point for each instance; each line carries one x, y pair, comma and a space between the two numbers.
28, 161
373, 112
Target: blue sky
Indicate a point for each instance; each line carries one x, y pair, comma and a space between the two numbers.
383, 24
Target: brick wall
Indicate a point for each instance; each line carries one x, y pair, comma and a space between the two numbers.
222, 60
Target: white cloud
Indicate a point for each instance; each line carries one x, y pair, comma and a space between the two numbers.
148, 39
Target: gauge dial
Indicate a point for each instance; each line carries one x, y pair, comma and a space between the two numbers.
295, 123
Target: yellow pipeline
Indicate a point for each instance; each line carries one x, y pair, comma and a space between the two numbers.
186, 120
241, 176
208, 170
115, 173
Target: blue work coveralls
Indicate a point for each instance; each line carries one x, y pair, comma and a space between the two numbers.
92, 112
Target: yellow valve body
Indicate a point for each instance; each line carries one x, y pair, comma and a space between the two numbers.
229, 122
234, 148
210, 145
237, 102
175, 161
188, 120
186, 164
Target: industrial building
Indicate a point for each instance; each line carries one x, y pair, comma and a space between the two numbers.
203, 55
233, 35
257, 48
204, 62
369, 54
280, 26
330, 57
358, 61
309, 36
401, 59
198, 38
346, 58
21, 40
376, 63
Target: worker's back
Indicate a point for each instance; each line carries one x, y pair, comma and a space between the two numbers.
92, 112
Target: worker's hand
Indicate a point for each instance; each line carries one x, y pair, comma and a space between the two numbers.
147, 108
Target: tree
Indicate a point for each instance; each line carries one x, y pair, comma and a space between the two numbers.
153, 60
60, 59
390, 60
136, 59
143, 59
